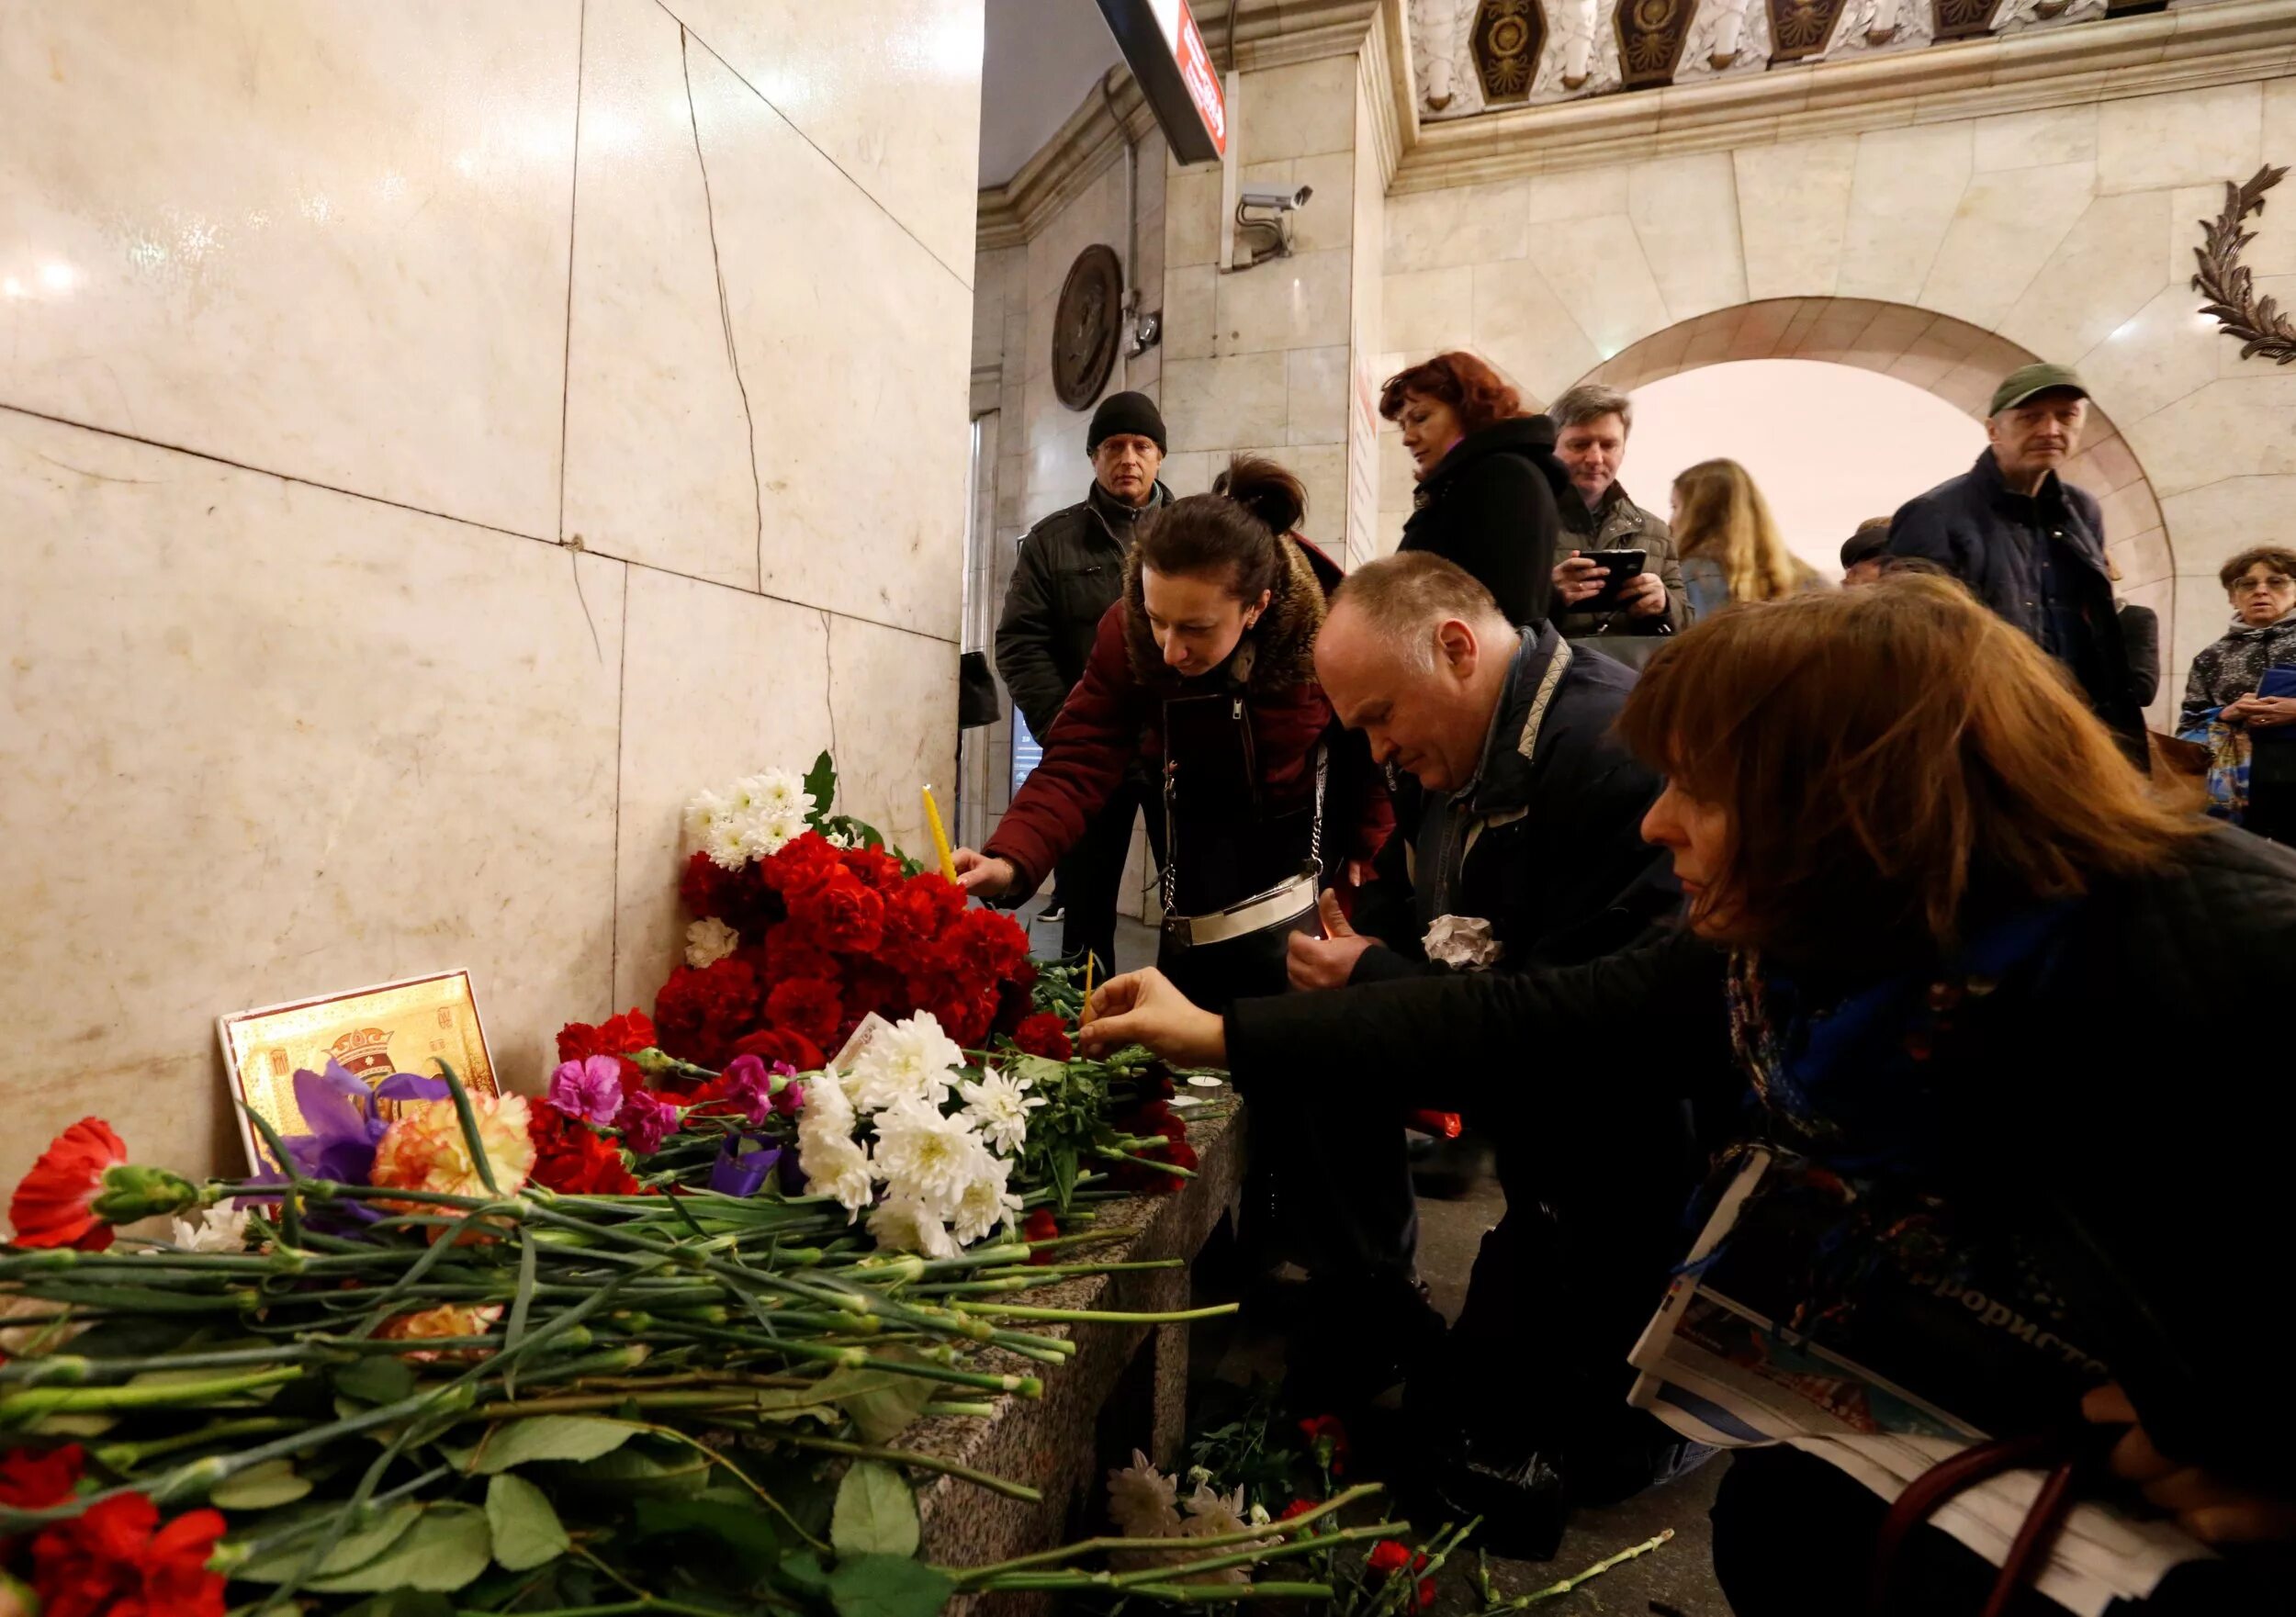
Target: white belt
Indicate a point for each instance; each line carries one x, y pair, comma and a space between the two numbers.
1279, 904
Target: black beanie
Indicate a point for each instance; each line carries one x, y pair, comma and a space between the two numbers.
1125, 412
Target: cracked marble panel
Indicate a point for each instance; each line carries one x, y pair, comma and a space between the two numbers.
272, 741
357, 214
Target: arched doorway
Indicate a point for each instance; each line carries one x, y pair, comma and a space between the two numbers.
1960, 364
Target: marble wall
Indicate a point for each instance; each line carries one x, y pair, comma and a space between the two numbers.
1942, 253
435, 440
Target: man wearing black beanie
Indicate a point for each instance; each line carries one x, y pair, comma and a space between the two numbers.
1070, 571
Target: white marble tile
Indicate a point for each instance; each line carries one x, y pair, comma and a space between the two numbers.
1463, 225
1297, 110
1329, 219
2006, 224
1191, 307
1793, 209
1397, 485
2228, 429
1684, 210
1226, 403
2211, 523
1428, 309
1296, 302
1585, 193
1190, 471
2033, 140
848, 336
2188, 137
658, 459
716, 683
1191, 217
1597, 271
272, 741
2108, 267
1316, 386
2155, 358
893, 696
1902, 201
1522, 328
357, 214
836, 73
1322, 470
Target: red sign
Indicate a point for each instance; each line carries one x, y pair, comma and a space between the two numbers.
1203, 85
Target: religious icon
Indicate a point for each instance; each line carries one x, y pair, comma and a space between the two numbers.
412, 1026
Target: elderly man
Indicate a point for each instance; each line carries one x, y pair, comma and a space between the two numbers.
1592, 423
1517, 844
1071, 571
2031, 545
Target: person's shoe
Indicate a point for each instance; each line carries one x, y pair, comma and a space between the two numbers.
1055, 912
1451, 1170
1523, 1501
1351, 1340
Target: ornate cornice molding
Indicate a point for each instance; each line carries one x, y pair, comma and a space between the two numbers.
2107, 60
1387, 68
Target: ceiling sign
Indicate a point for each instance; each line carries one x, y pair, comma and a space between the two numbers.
1165, 51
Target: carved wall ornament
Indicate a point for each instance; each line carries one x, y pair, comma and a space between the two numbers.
1962, 19
1084, 326
1434, 36
1507, 39
1650, 35
2225, 281
1801, 28
1581, 51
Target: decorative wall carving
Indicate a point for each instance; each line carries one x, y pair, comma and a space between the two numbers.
1882, 24
1435, 40
1583, 56
1730, 35
1801, 28
1650, 35
2015, 16
1084, 326
2225, 281
1508, 35
1961, 19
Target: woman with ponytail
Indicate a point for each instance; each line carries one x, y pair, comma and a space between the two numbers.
1204, 671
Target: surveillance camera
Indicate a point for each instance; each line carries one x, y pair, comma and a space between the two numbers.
1281, 201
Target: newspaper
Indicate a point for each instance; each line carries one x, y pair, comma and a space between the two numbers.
1720, 1372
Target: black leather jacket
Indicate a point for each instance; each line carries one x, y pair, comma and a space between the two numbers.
1070, 572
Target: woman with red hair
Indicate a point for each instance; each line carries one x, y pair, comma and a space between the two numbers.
1488, 477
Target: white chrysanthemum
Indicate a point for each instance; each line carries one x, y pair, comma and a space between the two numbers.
836, 1166
220, 1229
999, 1106
931, 1158
904, 1224
776, 794
1140, 1501
717, 830
986, 1203
709, 941
826, 1109
911, 1061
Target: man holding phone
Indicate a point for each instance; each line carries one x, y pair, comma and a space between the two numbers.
1601, 588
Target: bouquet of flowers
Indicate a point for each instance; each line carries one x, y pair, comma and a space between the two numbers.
804, 923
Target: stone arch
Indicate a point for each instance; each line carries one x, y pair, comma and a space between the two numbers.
1959, 363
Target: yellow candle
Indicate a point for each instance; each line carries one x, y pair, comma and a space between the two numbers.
1085, 1019
941, 836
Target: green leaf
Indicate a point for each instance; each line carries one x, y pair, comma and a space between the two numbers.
875, 1514
888, 1585
680, 1474
358, 1546
259, 1488
883, 1403
446, 1549
378, 1380
527, 1532
742, 1529
550, 1437
821, 785
804, 1569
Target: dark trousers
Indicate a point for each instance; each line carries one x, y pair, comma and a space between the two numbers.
1089, 878
1794, 1537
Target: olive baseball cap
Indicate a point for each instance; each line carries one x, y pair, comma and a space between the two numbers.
2027, 380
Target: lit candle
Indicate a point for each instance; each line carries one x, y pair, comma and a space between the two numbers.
941, 836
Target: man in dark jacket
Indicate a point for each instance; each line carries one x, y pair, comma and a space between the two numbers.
1517, 844
1070, 572
1592, 423
2030, 544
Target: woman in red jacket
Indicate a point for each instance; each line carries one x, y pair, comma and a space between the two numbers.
1204, 671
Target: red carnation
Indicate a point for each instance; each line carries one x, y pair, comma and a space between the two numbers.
703, 886
624, 1035
966, 1018
33, 1480
912, 917
1039, 1226
779, 1044
52, 1202
571, 1159
806, 1007
804, 863
1297, 1508
987, 946
874, 868
698, 1013
841, 914
794, 951
111, 1562
1328, 1438
1045, 1035
1390, 1555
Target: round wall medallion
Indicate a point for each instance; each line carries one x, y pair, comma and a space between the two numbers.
1085, 326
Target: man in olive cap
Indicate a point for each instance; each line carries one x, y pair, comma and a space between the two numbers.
2030, 544
1070, 571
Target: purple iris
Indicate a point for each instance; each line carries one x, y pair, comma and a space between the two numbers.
743, 1161
345, 1120
591, 1090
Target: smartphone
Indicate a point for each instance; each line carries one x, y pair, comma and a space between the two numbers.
1624, 565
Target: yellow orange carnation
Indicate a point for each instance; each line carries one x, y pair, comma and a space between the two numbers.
425, 1149
441, 1322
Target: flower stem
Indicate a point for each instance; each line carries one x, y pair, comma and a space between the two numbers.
1020, 1311
1556, 1590
832, 1445
1297, 1525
